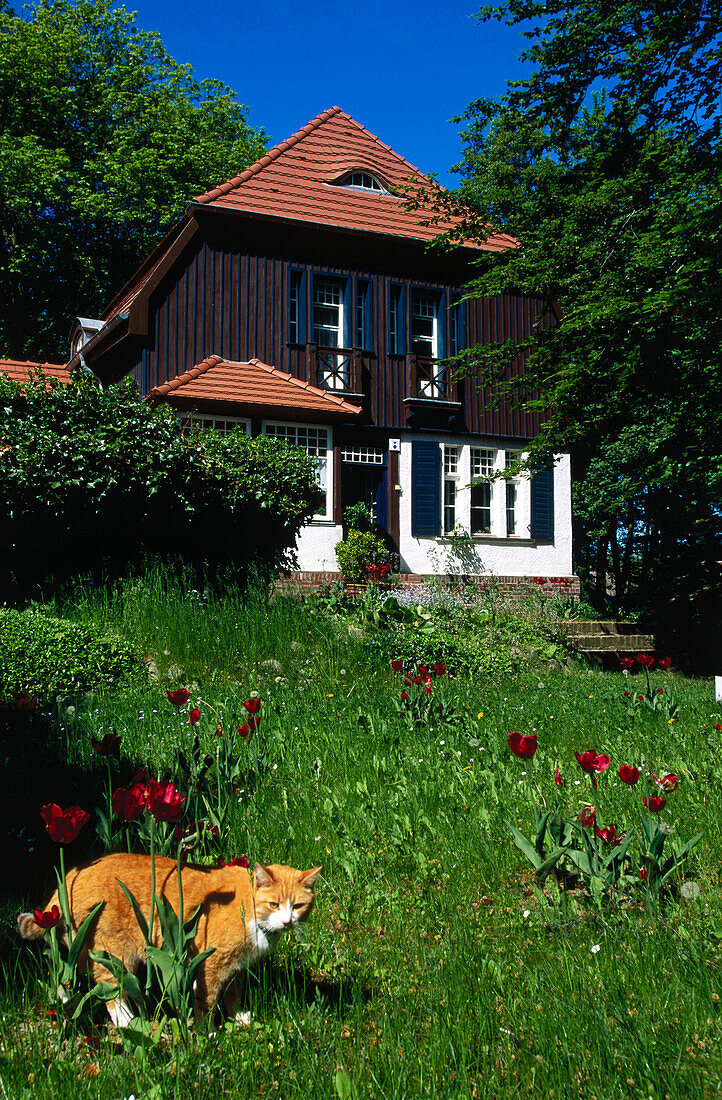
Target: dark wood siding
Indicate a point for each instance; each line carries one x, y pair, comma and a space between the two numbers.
228, 295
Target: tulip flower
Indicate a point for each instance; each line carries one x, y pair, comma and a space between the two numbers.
593, 762
439, 669
645, 660
627, 662
244, 731
129, 804
587, 816
404, 696
193, 716
558, 778
177, 698
629, 774
163, 801
109, 746
655, 803
628, 695
397, 665
664, 663
63, 825
669, 783
252, 705
49, 919
609, 835
717, 727
643, 873
525, 747
237, 861
23, 703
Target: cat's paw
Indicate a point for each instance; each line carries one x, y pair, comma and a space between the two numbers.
120, 1013
243, 1019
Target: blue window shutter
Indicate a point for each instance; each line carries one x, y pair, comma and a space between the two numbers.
542, 502
397, 320
457, 326
425, 489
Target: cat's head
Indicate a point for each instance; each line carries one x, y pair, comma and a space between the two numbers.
283, 896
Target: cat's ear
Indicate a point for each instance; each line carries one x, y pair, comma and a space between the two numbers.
308, 878
263, 876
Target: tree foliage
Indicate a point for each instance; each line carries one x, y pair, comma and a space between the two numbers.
94, 480
604, 165
104, 138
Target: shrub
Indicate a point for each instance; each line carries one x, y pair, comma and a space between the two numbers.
357, 551
92, 480
46, 657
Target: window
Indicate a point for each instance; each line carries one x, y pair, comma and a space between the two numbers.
424, 325
482, 466
297, 308
397, 327
457, 326
363, 314
363, 181
451, 479
328, 332
227, 424
372, 456
510, 458
315, 441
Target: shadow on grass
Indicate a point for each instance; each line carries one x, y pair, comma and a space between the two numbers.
294, 983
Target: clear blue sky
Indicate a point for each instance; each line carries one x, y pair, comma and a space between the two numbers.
401, 69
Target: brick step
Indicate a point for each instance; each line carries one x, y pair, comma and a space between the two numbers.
593, 626
614, 643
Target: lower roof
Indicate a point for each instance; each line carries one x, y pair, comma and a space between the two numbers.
23, 371
252, 387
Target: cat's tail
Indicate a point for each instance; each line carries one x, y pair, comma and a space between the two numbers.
28, 926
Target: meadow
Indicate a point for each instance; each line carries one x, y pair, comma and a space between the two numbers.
435, 964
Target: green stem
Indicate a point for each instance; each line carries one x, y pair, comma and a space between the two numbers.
149, 967
63, 897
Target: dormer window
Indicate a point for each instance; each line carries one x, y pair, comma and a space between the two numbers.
363, 181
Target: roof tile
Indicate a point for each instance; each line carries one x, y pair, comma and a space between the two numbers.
20, 370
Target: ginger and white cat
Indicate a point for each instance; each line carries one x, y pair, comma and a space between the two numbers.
242, 915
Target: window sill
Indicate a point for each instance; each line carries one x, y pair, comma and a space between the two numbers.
515, 540
321, 521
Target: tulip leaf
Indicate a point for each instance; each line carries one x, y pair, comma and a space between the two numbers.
678, 857
142, 922
525, 846
617, 854
549, 862
79, 937
541, 830
582, 861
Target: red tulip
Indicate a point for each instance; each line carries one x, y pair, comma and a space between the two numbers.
439, 669
641, 698
525, 747
628, 694
109, 746
23, 703
50, 919
129, 804
237, 861
591, 762
254, 721
660, 691
427, 689
645, 660
587, 816
609, 835
164, 802
629, 774
397, 665
64, 825
627, 662
717, 727
664, 663
244, 731
558, 778
252, 705
655, 803
177, 698
669, 782
193, 716
404, 696
643, 873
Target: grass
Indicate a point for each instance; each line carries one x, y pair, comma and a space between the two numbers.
432, 965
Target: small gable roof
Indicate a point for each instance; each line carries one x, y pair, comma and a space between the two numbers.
254, 386
22, 371
299, 180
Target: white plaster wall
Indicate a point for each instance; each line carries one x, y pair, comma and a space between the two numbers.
517, 556
316, 547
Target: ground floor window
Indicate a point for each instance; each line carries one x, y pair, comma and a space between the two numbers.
195, 422
316, 441
451, 479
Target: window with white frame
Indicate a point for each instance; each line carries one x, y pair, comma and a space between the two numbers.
370, 456
316, 442
424, 325
482, 467
225, 425
328, 329
512, 496
363, 181
451, 484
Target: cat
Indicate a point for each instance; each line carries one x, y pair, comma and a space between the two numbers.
243, 913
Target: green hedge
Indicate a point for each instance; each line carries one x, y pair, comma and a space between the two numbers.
50, 657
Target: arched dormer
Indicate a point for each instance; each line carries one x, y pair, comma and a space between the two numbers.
361, 179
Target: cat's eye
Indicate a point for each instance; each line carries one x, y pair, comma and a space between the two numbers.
298, 905
273, 905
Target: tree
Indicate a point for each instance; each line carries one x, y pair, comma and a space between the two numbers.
104, 138
604, 165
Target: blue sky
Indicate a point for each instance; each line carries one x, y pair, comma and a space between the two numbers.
401, 69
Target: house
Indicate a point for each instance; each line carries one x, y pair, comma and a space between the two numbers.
300, 300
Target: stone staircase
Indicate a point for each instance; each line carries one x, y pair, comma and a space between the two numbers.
608, 637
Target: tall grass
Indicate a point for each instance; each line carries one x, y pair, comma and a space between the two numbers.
432, 966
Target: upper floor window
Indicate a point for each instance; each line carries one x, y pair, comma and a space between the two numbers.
328, 319
424, 325
363, 181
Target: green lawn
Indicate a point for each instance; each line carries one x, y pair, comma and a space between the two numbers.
432, 964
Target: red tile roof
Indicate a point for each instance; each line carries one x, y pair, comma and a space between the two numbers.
297, 180
252, 384
20, 371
